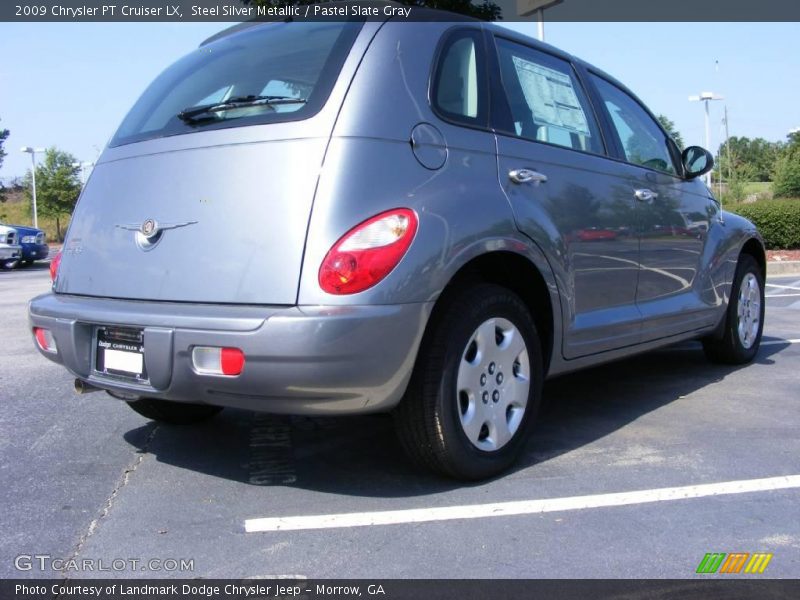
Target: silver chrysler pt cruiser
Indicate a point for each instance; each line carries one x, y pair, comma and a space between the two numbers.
427, 218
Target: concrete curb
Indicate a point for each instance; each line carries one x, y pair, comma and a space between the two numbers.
782, 268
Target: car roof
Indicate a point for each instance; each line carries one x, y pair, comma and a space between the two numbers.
422, 13
525, 39
442, 15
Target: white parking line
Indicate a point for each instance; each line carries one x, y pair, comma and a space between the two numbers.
782, 287
523, 507
776, 342
782, 295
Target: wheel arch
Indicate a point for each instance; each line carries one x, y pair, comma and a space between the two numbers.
519, 274
755, 248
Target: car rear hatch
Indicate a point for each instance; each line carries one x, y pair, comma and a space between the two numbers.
214, 208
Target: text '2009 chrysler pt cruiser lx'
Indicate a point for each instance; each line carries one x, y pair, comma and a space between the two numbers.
423, 218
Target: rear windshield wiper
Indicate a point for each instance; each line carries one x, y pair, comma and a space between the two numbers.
191, 113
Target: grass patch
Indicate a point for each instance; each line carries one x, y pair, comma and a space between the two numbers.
19, 213
758, 187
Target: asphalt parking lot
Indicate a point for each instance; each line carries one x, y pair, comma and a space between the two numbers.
85, 477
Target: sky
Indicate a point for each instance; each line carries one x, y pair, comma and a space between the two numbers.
70, 84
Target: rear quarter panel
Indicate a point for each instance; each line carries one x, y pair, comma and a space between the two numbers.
370, 167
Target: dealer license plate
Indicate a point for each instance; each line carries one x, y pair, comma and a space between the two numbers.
120, 352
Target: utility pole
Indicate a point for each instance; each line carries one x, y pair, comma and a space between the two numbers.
727, 147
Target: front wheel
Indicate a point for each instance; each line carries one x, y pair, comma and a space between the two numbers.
476, 386
174, 413
8, 264
744, 318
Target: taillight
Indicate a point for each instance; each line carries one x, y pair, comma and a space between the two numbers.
209, 360
45, 340
54, 264
368, 252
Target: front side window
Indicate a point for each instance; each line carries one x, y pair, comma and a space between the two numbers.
642, 140
458, 92
264, 74
546, 101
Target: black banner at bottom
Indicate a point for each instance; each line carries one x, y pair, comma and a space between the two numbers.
397, 589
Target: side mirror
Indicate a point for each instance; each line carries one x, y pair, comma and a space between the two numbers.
696, 161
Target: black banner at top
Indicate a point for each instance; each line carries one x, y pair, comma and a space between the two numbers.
404, 10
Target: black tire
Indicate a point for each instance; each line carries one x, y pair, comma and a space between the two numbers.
428, 419
174, 413
730, 349
8, 265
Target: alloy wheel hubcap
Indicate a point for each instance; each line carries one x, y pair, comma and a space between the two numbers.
748, 310
493, 384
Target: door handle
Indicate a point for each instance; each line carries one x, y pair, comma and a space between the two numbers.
526, 176
645, 195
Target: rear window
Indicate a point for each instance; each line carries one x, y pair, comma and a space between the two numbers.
296, 61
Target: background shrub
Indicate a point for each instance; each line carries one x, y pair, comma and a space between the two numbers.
786, 182
777, 220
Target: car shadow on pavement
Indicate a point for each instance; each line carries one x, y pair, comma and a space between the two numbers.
582, 407
360, 456
39, 265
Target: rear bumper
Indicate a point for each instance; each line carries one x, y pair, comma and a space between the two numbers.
299, 360
9, 252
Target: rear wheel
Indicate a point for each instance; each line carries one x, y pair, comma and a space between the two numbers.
175, 413
744, 318
8, 264
476, 386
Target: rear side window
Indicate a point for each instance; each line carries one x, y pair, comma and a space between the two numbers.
458, 92
298, 61
642, 140
546, 100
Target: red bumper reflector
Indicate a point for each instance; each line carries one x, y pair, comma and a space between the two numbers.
232, 361
45, 340
210, 360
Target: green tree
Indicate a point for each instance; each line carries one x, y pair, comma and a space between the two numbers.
58, 185
736, 173
786, 181
4, 133
670, 128
759, 154
485, 10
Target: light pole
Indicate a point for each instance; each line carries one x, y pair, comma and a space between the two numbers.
82, 166
706, 97
529, 7
32, 152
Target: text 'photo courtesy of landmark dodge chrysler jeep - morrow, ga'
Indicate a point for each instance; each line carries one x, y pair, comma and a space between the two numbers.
421, 218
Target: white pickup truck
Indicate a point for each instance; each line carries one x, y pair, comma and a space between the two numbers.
10, 250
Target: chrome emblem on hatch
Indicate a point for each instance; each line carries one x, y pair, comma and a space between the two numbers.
149, 228
148, 234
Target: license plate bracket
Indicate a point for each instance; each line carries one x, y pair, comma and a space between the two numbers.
120, 352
